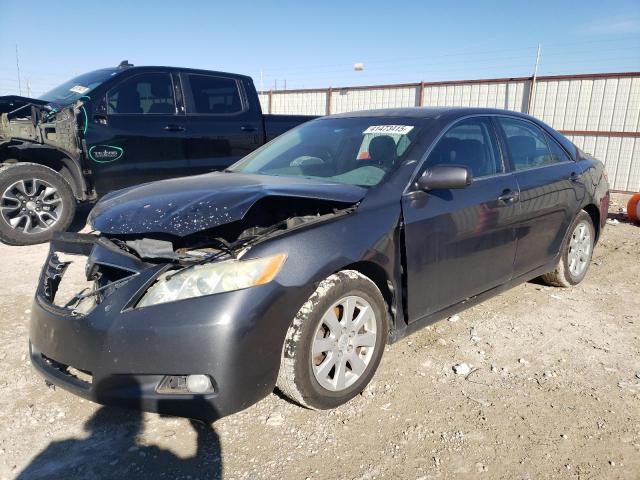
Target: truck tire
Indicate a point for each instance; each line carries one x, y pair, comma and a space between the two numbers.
575, 255
335, 343
35, 201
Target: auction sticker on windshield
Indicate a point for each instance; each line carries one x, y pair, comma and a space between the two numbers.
398, 129
79, 89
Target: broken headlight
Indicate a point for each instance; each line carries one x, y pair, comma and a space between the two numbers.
211, 278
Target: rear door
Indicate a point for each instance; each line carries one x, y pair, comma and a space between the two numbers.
222, 126
461, 242
140, 135
551, 191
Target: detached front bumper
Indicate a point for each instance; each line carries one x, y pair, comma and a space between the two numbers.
117, 354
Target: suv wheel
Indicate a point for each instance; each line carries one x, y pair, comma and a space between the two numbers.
576, 253
335, 343
35, 201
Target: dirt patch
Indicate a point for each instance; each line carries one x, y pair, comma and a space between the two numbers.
553, 391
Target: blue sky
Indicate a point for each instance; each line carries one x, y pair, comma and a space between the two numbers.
316, 44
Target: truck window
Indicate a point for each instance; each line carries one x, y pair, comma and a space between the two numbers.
147, 93
214, 95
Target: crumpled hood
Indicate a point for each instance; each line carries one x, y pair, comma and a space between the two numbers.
186, 205
9, 103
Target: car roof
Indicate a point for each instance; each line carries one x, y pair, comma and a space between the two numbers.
431, 112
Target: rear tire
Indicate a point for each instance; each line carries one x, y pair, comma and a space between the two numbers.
35, 201
335, 343
576, 253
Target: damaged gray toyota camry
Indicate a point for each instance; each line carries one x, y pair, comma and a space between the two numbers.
294, 267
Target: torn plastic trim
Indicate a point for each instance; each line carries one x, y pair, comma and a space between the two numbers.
107, 268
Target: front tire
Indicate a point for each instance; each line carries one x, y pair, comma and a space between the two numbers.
576, 254
335, 343
35, 201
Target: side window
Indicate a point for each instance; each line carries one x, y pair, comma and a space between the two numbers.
527, 144
470, 143
557, 152
147, 93
214, 95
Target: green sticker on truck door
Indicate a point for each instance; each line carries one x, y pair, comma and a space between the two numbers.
105, 153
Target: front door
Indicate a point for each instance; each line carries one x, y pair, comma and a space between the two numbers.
551, 192
141, 137
460, 242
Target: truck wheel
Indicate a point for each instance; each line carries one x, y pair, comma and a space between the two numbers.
576, 253
335, 343
35, 201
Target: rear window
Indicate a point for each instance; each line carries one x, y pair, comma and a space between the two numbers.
214, 95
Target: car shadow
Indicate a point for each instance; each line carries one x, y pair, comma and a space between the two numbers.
80, 218
113, 450
622, 218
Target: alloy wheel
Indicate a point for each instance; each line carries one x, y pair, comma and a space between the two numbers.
580, 246
344, 343
31, 205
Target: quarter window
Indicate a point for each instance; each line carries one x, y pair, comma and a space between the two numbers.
470, 143
147, 93
526, 143
214, 95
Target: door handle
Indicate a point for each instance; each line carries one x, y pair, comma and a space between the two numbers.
248, 128
574, 177
508, 197
174, 128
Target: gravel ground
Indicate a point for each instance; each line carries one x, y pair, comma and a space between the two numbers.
554, 392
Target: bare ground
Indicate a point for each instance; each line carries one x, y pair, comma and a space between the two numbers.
554, 393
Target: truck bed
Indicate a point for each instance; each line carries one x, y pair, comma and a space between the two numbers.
275, 125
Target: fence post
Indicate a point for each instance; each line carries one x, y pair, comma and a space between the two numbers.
532, 94
329, 95
421, 94
270, 99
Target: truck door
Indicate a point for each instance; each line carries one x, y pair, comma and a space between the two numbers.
141, 135
222, 126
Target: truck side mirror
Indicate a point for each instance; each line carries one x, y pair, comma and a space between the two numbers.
440, 177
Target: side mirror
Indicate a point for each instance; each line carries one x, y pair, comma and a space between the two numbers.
442, 177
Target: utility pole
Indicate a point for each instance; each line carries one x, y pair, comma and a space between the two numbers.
532, 90
18, 68
535, 69
28, 87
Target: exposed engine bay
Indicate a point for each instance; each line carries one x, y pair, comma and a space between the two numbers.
25, 122
268, 217
115, 259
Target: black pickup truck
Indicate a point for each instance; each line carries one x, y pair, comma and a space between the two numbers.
117, 127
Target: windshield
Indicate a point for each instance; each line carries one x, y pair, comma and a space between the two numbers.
75, 88
357, 151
